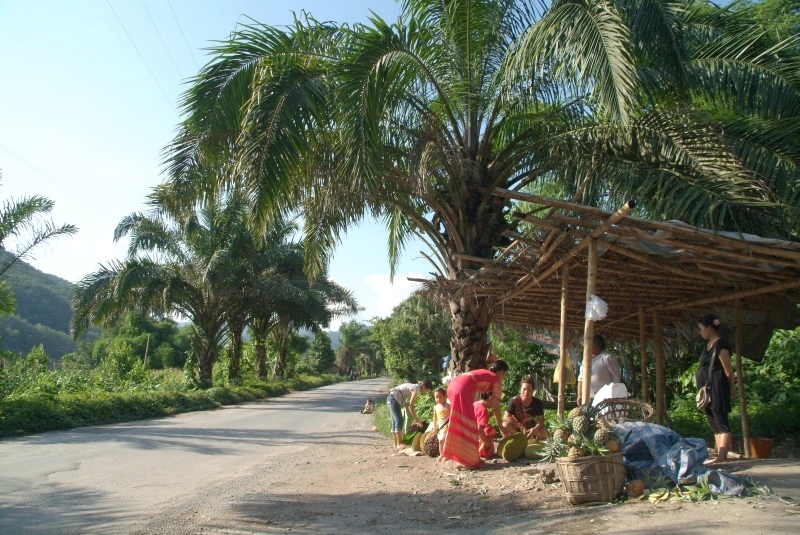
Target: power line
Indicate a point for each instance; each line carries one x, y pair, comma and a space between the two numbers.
38, 171
171, 105
177, 69
191, 52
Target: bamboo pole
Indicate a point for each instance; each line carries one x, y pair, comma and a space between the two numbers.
562, 345
789, 249
588, 326
739, 380
643, 351
658, 351
700, 240
660, 265
775, 288
598, 231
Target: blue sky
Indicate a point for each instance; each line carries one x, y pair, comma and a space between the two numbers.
89, 93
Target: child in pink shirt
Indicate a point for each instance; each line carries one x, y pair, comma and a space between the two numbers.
486, 432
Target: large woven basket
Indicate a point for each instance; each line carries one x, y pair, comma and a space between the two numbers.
594, 478
618, 410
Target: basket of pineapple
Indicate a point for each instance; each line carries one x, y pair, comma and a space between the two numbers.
590, 462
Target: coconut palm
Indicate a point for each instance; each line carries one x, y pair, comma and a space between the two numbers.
22, 222
421, 120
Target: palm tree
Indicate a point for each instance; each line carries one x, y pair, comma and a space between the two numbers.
420, 122
174, 267
302, 303
281, 298
355, 340
22, 221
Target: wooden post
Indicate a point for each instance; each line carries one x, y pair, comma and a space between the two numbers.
643, 351
739, 378
588, 326
146, 347
562, 346
658, 351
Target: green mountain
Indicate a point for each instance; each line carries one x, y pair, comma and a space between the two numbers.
44, 311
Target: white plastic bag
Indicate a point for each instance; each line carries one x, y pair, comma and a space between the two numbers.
596, 308
609, 391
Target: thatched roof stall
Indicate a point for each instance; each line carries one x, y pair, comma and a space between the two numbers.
658, 279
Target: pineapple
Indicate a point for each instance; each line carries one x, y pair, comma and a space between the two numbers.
603, 435
581, 424
561, 429
575, 451
577, 411
635, 488
562, 435
551, 449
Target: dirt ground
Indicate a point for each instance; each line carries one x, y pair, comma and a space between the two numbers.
357, 484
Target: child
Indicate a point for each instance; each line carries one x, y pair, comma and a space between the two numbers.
441, 414
486, 432
397, 398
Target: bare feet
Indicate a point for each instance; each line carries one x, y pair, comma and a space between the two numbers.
714, 462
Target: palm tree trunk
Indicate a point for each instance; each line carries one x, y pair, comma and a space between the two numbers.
281, 334
261, 359
236, 323
235, 356
205, 361
468, 344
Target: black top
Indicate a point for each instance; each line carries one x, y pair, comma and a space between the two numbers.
720, 387
525, 415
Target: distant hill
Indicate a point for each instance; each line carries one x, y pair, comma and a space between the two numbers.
333, 335
44, 311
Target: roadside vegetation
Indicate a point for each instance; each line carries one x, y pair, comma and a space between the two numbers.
293, 135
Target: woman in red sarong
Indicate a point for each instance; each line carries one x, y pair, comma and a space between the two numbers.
462, 441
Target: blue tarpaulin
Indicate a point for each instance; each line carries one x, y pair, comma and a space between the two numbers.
651, 449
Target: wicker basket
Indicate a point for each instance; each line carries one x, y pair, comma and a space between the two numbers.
594, 478
618, 410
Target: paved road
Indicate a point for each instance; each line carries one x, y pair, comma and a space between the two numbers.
109, 479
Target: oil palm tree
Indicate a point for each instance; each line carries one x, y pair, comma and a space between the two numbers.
175, 266
22, 221
421, 120
288, 300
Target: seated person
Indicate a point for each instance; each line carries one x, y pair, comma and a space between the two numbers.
526, 413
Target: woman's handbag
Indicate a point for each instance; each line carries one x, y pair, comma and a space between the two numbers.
703, 397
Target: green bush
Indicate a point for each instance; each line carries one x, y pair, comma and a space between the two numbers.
33, 412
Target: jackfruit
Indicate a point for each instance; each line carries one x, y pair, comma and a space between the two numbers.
416, 444
511, 448
534, 450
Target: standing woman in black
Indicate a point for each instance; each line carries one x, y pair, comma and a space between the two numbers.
719, 349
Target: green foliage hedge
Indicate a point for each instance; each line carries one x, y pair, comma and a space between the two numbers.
38, 413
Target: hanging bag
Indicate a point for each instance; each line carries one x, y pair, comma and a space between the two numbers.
703, 397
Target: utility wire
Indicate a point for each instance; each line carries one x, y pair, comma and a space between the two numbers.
177, 69
191, 52
38, 171
170, 103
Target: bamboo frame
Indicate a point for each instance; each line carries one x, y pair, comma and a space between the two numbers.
643, 351
588, 327
666, 270
740, 379
658, 351
562, 346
